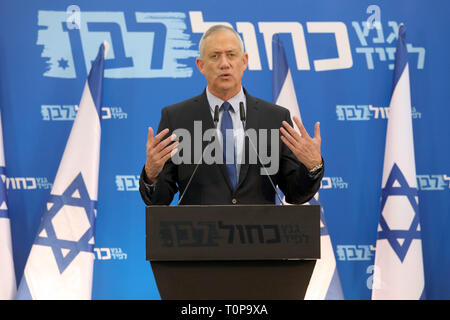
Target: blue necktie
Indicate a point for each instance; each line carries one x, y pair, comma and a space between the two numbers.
227, 124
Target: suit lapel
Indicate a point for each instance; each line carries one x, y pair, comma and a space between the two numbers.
204, 111
252, 120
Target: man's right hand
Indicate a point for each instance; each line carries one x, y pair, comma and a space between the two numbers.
158, 152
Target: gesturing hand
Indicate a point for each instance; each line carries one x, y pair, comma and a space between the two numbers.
305, 148
158, 152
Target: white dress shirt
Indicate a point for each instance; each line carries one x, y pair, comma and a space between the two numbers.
238, 129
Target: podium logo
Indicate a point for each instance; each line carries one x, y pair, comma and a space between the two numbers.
215, 233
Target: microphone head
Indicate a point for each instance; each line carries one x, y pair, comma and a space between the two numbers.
216, 114
242, 111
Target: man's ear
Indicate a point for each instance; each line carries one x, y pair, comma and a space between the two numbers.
245, 57
200, 63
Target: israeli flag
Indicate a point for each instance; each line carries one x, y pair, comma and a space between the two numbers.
60, 264
398, 271
325, 283
283, 91
7, 275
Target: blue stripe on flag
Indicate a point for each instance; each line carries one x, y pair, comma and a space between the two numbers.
335, 289
401, 55
95, 79
423, 296
23, 293
324, 229
3, 197
279, 66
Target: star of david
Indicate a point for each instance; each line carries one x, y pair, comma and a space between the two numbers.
81, 199
63, 63
3, 206
393, 235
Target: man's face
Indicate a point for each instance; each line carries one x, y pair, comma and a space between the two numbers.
223, 64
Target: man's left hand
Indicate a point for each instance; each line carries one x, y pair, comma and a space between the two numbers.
305, 148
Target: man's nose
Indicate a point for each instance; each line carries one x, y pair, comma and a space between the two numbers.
224, 63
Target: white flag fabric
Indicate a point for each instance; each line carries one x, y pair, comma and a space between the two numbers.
7, 275
283, 91
60, 263
325, 283
398, 271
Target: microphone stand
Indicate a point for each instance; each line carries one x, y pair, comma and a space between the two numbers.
243, 119
216, 120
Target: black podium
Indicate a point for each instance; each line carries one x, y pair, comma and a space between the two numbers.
235, 252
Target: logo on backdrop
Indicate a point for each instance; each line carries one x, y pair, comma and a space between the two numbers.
363, 112
143, 44
127, 182
110, 254
425, 182
353, 252
333, 183
69, 112
157, 44
131, 183
378, 45
433, 182
359, 253
27, 183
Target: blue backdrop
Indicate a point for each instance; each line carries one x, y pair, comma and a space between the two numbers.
342, 67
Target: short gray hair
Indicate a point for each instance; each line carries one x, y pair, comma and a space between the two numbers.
214, 29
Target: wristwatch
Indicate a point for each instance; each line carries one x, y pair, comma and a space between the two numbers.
314, 171
152, 187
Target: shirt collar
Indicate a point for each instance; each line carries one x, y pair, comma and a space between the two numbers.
234, 101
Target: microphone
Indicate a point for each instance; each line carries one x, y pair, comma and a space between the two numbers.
216, 115
216, 120
242, 113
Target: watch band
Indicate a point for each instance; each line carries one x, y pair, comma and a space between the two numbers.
312, 173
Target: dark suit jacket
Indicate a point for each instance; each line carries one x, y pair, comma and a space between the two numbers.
211, 184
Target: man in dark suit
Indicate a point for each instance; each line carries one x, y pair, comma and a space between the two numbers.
297, 159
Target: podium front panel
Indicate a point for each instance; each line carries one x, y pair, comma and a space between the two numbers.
230, 232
